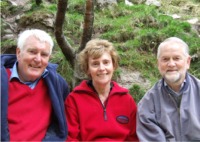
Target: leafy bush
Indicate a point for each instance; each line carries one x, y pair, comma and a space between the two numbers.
135, 31
137, 92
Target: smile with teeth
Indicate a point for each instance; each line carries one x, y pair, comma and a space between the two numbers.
34, 66
171, 71
102, 74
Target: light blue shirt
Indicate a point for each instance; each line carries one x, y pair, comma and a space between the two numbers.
14, 74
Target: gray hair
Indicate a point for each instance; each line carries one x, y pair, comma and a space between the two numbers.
171, 40
39, 34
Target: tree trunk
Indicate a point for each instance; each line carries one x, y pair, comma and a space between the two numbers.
68, 51
88, 24
60, 38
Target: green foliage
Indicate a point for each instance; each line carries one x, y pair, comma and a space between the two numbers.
135, 31
137, 92
195, 69
64, 67
184, 8
116, 74
52, 7
3, 4
9, 42
76, 6
7, 9
43, 7
74, 25
6, 44
35, 7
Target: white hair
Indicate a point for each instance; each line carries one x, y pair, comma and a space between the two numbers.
171, 40
39, 34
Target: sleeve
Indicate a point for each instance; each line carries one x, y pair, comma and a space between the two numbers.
133, 135
147, 126
72, 119
4, 105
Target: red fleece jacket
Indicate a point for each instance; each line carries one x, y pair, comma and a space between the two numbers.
89, 120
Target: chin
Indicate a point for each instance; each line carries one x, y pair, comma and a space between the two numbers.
34, 77
102, 82
172, 78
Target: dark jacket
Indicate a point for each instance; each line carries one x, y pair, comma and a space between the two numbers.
58, 91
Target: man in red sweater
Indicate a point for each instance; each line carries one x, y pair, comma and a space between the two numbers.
33, 93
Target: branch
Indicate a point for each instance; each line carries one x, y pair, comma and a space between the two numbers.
88, 23
60, 38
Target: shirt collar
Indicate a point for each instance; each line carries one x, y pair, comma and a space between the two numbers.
181, 84
172, 91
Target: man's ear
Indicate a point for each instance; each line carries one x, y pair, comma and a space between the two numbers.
188, 62
17, 52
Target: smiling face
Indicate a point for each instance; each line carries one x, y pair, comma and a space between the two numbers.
173, 63
32, 59
101, 69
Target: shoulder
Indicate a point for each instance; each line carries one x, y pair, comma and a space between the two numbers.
8, 56
81, 91
8, 60
82, 88
54, 77
193, 78
52, 69
194, 83
52, 66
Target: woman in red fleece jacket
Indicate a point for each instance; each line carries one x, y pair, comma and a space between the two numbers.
99, 109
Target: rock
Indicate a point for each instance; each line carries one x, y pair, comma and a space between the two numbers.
128, 3
153, 2
105, 3
130, 77
175, 16
8, 36
18, 2
193, 21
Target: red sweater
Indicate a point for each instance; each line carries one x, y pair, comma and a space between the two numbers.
29, 111
89, 120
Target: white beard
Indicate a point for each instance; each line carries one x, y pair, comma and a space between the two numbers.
172, 78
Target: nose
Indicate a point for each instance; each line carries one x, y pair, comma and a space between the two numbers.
171, 63
37, 57
101, 66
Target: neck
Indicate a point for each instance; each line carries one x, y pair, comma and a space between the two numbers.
176, 88
102, 90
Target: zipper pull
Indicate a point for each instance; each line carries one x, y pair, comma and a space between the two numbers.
105, 115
